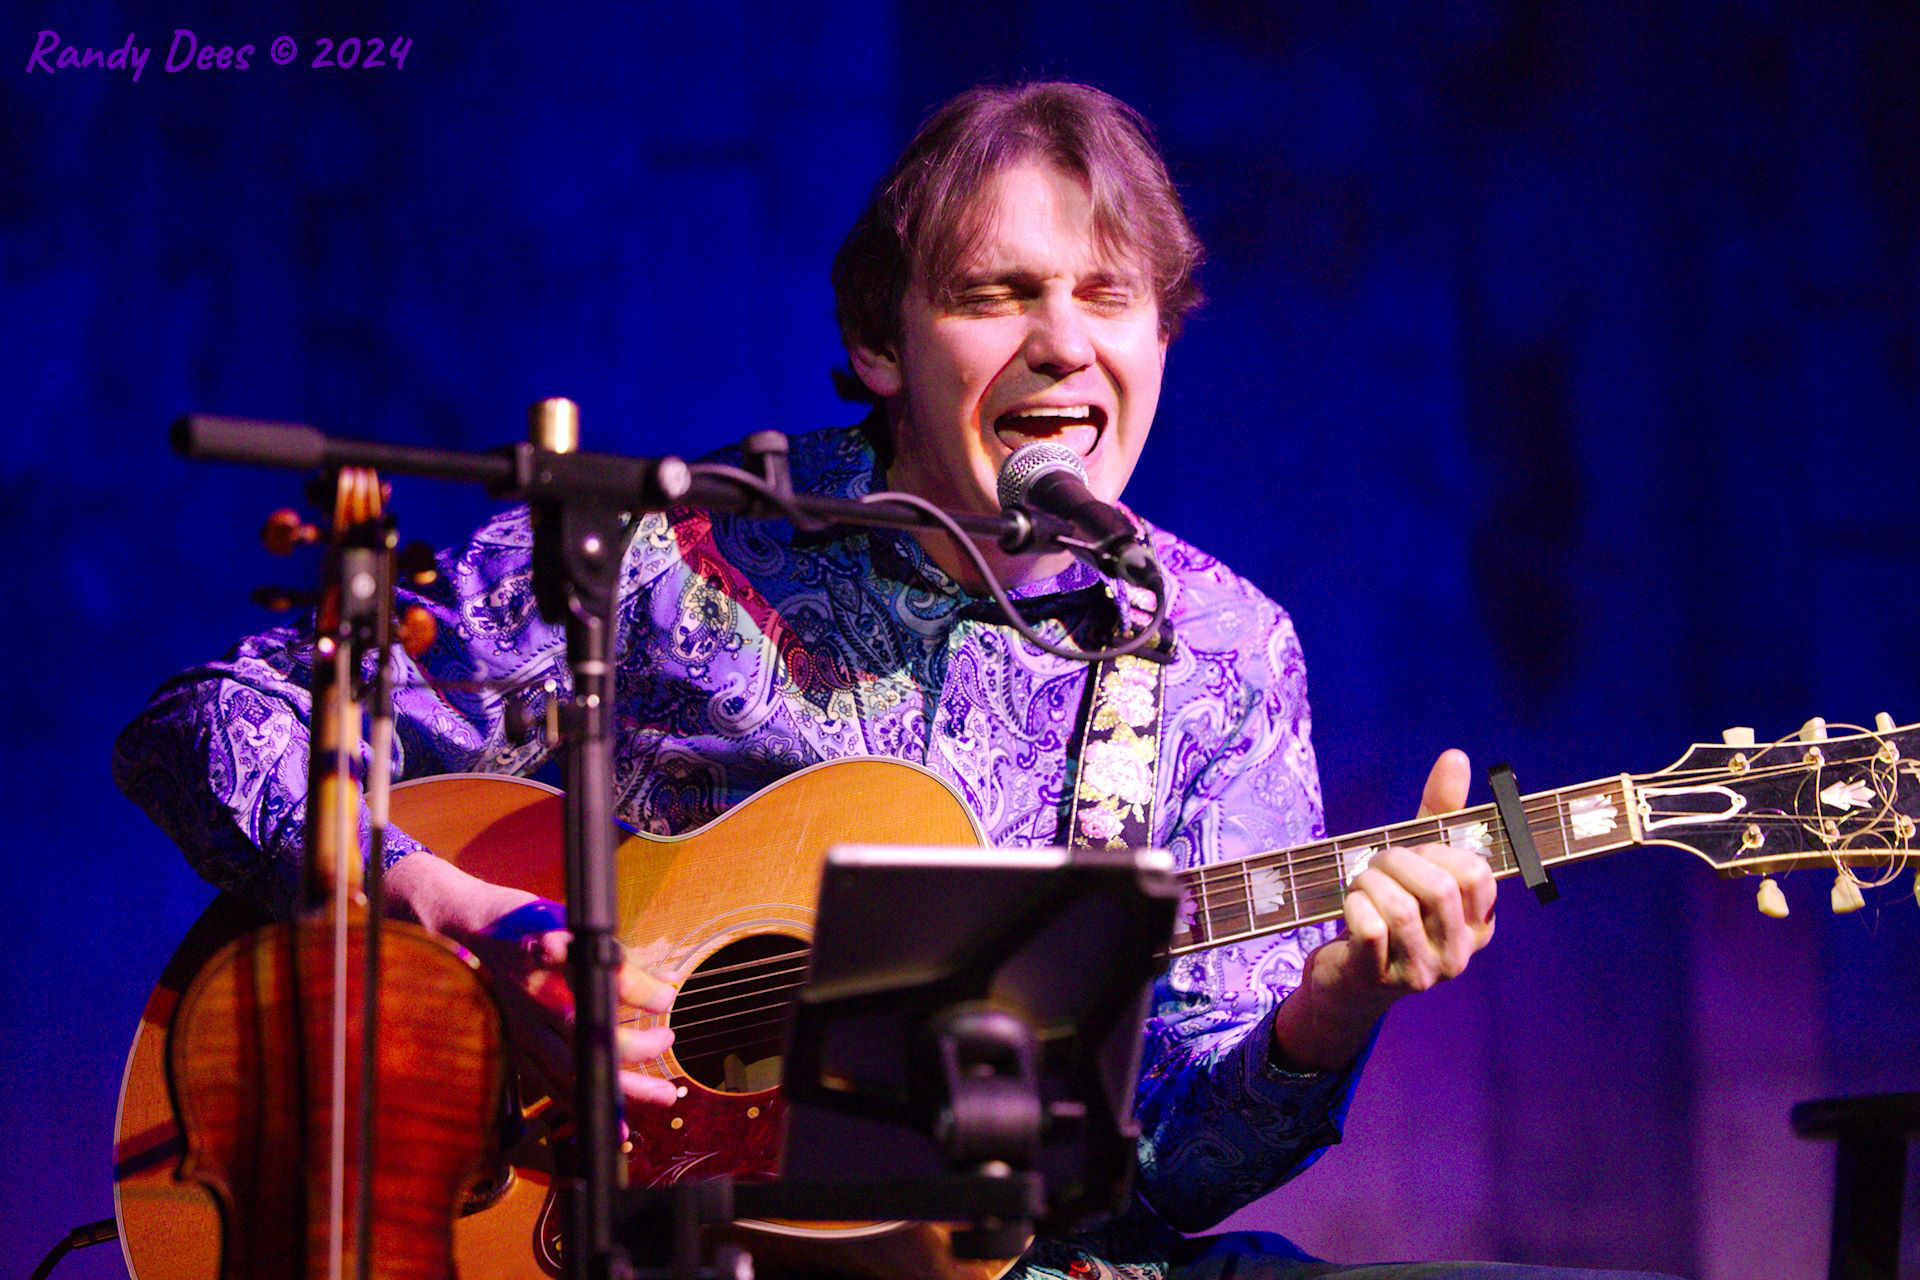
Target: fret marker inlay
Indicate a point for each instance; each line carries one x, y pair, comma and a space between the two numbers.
1267, 888
1592, 816
1473, 837
1354, 861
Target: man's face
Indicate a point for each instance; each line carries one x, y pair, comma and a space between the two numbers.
1044, 338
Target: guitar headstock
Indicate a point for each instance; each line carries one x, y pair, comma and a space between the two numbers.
1840, 797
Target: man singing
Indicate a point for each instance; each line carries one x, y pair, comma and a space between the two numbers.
1018, 277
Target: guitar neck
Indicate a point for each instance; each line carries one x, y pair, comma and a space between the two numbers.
1272, 892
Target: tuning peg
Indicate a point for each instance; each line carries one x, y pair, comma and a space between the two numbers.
1846, 893
1773, 903
1740, 736
1883, 723
285, 530
417, 565
1814, 730
282, 599
416, 631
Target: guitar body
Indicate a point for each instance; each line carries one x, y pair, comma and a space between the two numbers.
726, 911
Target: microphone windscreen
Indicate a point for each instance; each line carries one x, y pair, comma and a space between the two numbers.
1031, 461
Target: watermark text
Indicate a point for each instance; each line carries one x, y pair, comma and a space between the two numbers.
188, 52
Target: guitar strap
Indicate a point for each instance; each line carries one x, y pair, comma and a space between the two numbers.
1116, 756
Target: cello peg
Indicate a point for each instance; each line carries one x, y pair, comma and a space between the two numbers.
416, 629
285, 530
1773, 903
1814, 730
417, 565
1740, 736
1846, 893
1883, 723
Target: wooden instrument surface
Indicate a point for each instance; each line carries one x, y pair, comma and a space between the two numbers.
337, 1140
727, 911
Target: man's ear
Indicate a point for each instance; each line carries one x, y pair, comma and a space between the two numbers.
877, 368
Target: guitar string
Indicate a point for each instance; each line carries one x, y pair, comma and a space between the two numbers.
1548, 806
1315, 885
748, 1051
1223, 873
1312, 890
1244, 919
779, 1010
1317, 890
763, 1016
800, 950
696, 1006
759, 1046
1299, 861
729, 968
734, 1020
742, 1021
739, 1021
688, 986
1219, 873
685, 1006
1215, 874
1226, 871
736, 1017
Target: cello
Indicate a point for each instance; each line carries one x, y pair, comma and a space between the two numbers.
336, 1076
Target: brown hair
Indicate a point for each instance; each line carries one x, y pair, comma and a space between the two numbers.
925, 215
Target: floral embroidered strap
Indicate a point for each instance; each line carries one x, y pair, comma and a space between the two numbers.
1119, 769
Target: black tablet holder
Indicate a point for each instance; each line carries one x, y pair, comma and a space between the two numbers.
964, 1051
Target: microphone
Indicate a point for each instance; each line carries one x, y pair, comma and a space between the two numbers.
1050, 479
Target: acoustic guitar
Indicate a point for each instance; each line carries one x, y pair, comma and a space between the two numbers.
727, 910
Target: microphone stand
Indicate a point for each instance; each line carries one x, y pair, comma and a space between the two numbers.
582, 506
577, 549
529, 473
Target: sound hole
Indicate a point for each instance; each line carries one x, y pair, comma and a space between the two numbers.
730, 1018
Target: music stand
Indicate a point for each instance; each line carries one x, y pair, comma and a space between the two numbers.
976, 1013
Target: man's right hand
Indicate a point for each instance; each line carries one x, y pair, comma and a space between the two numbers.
522, 941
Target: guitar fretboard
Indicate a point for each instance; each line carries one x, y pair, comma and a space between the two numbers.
1271, 892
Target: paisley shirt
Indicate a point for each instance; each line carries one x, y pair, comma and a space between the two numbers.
747, 651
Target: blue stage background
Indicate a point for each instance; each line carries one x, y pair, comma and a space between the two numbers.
1559, 374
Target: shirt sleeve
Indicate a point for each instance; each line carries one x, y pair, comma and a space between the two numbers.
1221, 1124
219, 757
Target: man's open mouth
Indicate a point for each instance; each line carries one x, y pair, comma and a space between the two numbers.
1077, 426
